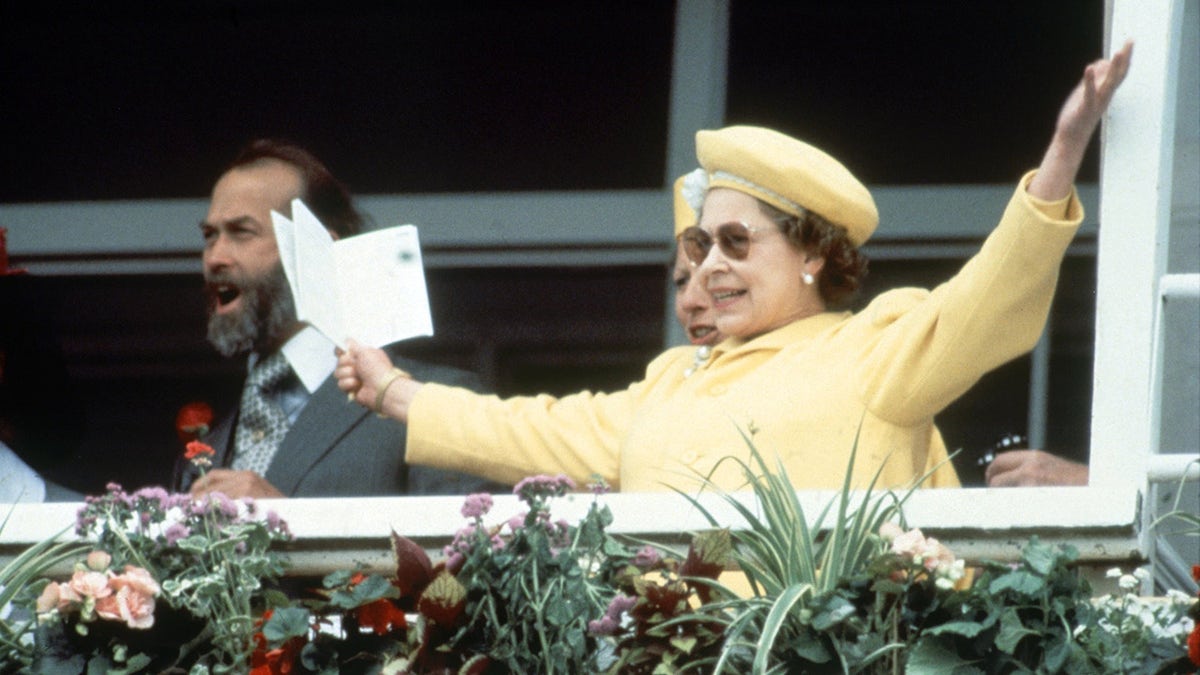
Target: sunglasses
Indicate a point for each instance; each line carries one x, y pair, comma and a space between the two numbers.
732, 238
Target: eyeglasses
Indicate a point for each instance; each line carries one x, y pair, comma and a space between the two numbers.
732, 238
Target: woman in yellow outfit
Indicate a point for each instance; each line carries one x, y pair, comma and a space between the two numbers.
775, 247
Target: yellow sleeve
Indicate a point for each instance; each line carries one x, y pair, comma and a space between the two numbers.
925, 350
507, 440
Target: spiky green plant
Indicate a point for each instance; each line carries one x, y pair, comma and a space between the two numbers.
16, 580
794, 566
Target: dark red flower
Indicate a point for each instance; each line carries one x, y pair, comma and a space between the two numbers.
193, 421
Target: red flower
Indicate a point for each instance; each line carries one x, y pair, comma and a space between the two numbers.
193, 421
1193, 645
381, 616
278, 661
197, 449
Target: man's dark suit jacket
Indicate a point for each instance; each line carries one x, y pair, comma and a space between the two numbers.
338, 448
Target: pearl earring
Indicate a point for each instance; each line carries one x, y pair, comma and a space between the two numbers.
808, 279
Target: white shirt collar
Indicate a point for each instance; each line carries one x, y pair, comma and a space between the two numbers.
311, 356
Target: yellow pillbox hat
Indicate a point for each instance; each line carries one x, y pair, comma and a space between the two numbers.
685, 215
788, 174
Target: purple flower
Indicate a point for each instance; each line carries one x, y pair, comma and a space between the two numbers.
277, 524
537, 487
224, 504
599, 486
620, 604
153, 494
647, 558
175, 532
462, 540
603, 626
477, 505
517, 522
177, 499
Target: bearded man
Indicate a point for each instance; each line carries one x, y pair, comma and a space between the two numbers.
293, 433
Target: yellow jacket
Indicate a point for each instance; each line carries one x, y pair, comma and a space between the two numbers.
802, 392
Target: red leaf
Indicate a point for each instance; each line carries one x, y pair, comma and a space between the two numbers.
414, 570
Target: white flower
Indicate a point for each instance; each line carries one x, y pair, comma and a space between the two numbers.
1113, 573
695, 186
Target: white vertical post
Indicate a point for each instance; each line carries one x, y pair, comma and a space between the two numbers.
1135, 205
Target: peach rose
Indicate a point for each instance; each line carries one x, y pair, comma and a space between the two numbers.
138, 579
90, 584
128, 605
133, 602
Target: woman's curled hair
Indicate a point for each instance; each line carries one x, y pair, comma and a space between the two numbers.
845, 266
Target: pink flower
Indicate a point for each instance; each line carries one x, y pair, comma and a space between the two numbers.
133, 602
98, 561
51, 599
477, 505
138, 579
89, 584
909, 544
889, 531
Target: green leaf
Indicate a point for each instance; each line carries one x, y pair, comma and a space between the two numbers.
810, 648
1019, 581
1012, 631
1041, 557
1059, 652
286, 623
968, 629
931, 657
836, 610
684, 643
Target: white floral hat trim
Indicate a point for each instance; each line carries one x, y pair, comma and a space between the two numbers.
695, 186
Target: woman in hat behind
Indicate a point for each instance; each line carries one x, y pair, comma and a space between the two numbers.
776, 248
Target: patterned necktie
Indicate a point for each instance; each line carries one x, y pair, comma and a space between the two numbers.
262, 423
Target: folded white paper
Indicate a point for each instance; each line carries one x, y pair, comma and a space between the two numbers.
370, 287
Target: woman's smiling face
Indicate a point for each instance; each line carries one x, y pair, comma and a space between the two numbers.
764, 291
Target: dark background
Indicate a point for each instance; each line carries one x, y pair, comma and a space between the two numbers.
148, 100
